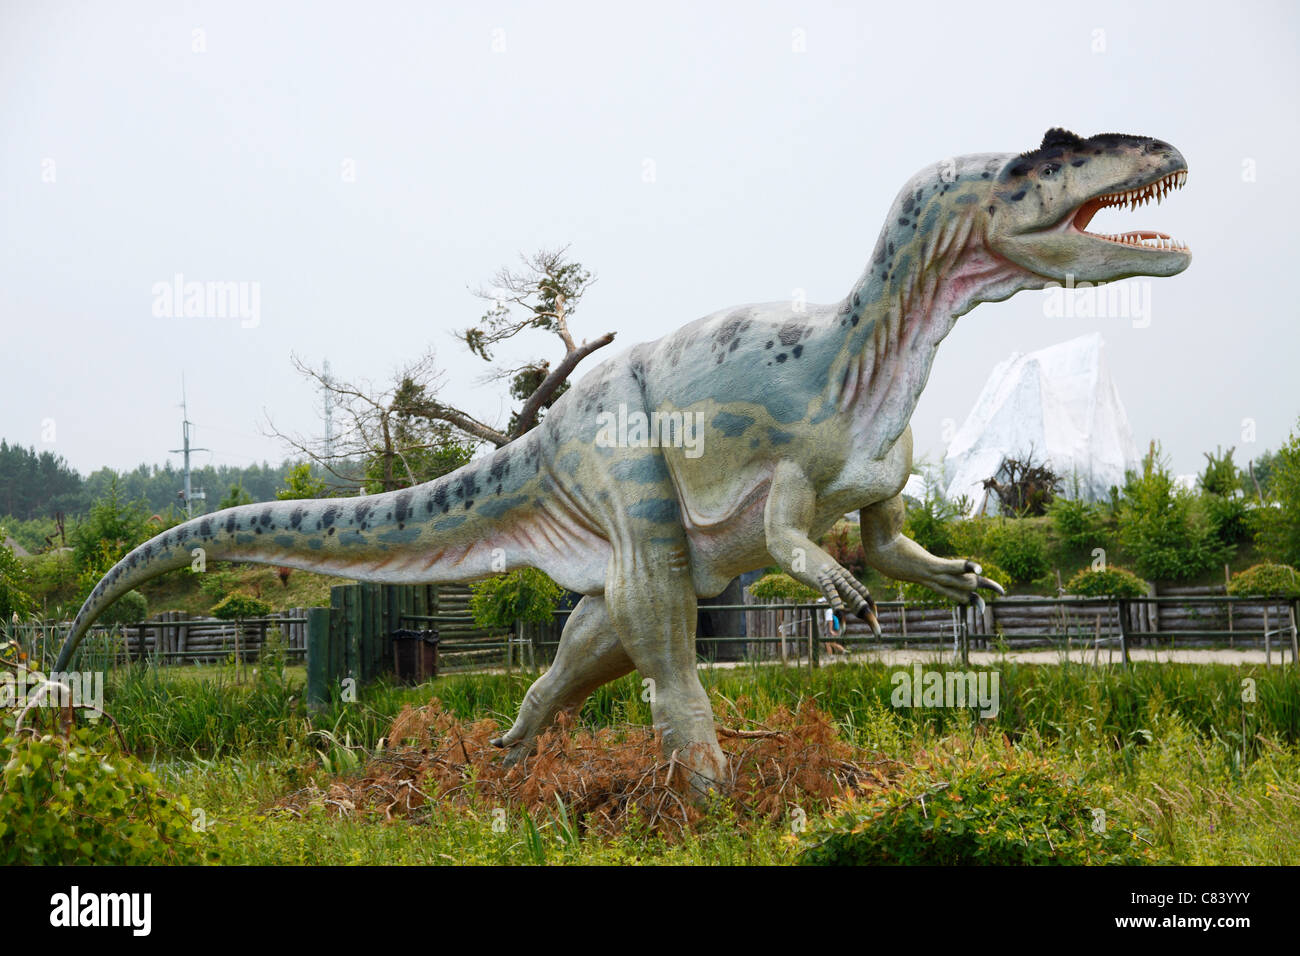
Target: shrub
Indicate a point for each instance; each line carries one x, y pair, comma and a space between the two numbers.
1266, 580
130, 608
1158, 526
523, 595
1079, 523
65, 802
781, 588
1000, 808
1107, 582
1020, 548
930, 524
239, 605
15, 586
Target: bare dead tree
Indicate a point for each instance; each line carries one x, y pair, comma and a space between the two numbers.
1023, 487
383, 442
543, 295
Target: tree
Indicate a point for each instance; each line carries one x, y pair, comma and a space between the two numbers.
406, 434
1159, 526
113, 527
385, 442
301, 483
1279, 521
1024, 488
235, 497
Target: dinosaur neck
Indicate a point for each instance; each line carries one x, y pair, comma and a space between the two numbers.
907, 301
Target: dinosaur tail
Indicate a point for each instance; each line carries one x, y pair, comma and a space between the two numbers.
426, 534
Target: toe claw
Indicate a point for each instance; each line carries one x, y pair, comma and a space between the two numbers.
974, 568
989, 583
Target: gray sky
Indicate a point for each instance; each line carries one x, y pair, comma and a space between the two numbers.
773, 170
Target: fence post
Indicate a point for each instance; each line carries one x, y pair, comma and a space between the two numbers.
1295, 636
1123, 629
318, 657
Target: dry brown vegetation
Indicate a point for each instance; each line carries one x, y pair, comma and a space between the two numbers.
605, 779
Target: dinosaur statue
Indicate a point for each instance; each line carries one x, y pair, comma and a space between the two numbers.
766, 423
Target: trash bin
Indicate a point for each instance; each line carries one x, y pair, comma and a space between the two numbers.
415, 655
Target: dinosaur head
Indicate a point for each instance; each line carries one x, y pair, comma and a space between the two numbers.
1042, 202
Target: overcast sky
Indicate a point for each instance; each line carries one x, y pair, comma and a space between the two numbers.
364, 164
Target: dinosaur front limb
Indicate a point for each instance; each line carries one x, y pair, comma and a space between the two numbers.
895, 555
590, 654
786, 519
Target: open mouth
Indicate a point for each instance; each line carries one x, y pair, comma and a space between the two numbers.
1133, 198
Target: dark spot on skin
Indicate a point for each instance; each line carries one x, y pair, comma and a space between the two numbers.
797, 351
790, 333
230, 524
328, 516
403, 506
295, 519
498, 489
1018, 196
265, 519
1020, 169
854, 320
330, 531
984, 175
469, 504
205, 528
780, 356
769, 344
1078, 162
990, 210
360, 515
734, 344
902, 222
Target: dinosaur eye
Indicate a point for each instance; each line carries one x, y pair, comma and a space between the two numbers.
1048, 171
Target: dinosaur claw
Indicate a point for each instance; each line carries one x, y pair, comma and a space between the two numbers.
498, 742
983, 582
977, 602
974, 568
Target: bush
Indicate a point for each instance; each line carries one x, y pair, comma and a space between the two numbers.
239, 605
1107, 582
1005, 808
783, 589
523, 595
930, 524
15, 586
840, 546
1266, 580
1020, 548
130, 608
1079, 523
64, 802
1159, 527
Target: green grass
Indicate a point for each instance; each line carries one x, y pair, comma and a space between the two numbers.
1211, 777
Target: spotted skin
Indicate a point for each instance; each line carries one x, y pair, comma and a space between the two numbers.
802, 415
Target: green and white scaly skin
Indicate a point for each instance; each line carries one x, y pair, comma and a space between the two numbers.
803, 415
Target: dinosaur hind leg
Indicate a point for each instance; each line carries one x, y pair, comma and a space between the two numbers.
590, 655
652, 604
